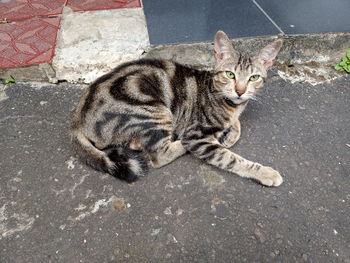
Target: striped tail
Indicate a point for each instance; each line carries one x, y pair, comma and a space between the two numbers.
119, 161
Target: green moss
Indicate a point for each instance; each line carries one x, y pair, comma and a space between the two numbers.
212, 177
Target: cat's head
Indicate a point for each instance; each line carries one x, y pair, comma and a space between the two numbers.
237, 77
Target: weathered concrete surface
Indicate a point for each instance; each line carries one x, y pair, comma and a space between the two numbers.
92, 43
38, 72
84, 53
55, 209
295, 49
303, 58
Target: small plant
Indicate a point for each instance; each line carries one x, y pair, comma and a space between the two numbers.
344, 64
4, 21
9, 80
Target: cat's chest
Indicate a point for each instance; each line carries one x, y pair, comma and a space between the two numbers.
234, 114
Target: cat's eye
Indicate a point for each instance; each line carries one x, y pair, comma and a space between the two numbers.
230, 74
254, 77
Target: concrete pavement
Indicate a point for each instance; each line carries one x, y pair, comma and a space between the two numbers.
55, 209
79, 40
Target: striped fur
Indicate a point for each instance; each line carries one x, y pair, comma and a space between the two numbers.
153, 111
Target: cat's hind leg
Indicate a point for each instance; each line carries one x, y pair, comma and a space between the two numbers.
164, 151
168, 152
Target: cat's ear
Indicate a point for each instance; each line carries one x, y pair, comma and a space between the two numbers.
222, 46
268, 54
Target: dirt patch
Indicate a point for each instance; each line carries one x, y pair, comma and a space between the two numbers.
312, 72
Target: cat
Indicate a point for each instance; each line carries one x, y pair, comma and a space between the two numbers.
150, 112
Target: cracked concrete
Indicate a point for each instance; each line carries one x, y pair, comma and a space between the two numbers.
55, 209
310, 72
14, 223
93, 208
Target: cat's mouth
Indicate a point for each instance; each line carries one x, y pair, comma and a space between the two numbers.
234, 101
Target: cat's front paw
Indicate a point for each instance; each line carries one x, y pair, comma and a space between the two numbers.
269, 177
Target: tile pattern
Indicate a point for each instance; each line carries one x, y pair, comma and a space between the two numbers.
90, 5
311, 16
30, 38
180, 21
23, 9
24, 43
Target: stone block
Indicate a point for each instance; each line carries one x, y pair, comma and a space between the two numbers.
92, 43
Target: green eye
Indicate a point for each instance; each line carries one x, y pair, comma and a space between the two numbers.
230, 74
254, 77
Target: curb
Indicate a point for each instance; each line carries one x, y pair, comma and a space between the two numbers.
295, 49
303, 58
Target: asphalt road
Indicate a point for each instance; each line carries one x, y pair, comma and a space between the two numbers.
55, 209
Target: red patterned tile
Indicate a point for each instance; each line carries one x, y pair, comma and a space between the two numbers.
24, 43
90, 5
21, 9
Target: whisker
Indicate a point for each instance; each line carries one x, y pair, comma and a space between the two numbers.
256, 98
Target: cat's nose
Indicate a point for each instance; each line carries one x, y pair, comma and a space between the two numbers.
240, 92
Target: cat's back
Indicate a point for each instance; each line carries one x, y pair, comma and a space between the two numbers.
141, 82
134, 73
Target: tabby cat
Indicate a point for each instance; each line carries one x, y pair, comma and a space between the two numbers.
153, 111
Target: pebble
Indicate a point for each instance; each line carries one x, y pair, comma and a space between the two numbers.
259, 235
119, 205
155, 231
179, 212
167, 211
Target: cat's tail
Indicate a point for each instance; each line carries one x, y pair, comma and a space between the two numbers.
119, 161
